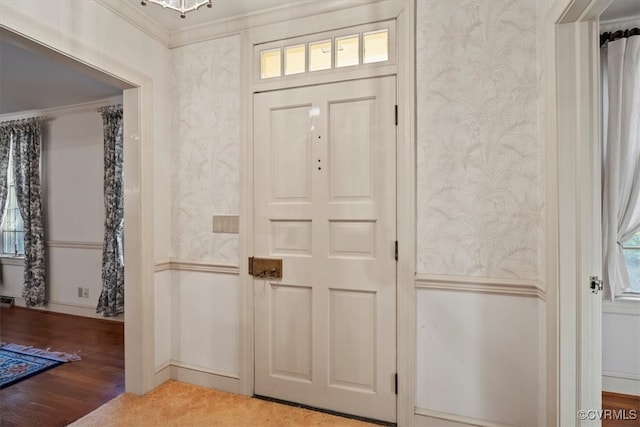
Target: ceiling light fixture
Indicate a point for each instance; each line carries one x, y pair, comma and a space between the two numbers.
182, 6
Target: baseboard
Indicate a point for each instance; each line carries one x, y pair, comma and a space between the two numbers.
163, 373
430, 418
203, 377
616, 382
70, 308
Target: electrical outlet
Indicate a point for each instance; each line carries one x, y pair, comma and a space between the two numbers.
80, 292
85, 292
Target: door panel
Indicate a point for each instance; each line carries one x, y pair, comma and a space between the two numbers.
325, 202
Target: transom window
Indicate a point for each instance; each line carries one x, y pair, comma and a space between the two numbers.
12, 227
632, 256
358, 46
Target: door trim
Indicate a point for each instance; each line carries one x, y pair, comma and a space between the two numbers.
573, 371
138, 125
404, 13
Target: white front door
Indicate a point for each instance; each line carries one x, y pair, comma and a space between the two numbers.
325, 203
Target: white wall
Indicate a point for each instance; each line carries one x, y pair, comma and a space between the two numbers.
72, 159
621, 347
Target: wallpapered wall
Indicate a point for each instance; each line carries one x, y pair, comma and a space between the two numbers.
206, 152
479, 186
480, 198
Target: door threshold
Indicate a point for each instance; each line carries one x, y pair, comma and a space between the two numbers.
325, 411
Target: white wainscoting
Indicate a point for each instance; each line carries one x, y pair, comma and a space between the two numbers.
621, 347
162, 318
70, 264
427, 418
197, 323
479, 356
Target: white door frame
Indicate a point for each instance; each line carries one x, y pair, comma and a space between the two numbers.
404, 13
138, 188
574, 374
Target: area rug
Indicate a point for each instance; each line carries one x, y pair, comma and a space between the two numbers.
178, 404
19, 362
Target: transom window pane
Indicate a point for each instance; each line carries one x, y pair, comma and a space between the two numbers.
294, 59
376, 46
320, 55
271, 63
348, 51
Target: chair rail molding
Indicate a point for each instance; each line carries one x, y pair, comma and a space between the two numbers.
487, 285
195, 265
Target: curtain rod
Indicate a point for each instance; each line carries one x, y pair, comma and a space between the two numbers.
108, 108
25, 120
610, 36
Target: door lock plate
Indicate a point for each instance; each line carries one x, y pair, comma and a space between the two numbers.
265, 268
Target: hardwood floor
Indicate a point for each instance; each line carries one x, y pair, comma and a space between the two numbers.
622, 406
65, 393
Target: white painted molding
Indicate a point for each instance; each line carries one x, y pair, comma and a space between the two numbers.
620, 23
136, 17
406, 214
427, 417
621, 382
55, 112
278, 14
631, 308
195, 265
12, 260
163, 373
514, 287
73, 309
217, 28
204, 377
69, 244
246, 216
162, 264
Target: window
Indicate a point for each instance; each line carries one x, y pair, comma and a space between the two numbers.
271, 63
632, 255
355, 47
294, 59
12, 234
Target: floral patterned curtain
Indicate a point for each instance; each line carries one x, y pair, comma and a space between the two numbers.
111, 300
26, 152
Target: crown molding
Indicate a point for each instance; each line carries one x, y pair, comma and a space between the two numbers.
138, 19
218, 28
66, 110
236, 24
620, 23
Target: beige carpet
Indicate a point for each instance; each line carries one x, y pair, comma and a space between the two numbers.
179, 404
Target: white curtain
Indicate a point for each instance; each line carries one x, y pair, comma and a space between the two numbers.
621, 157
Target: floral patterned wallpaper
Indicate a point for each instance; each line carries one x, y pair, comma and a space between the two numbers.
480, 183
206, 148
480, 168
